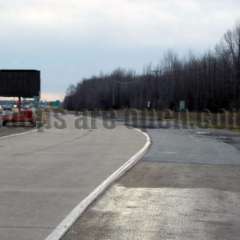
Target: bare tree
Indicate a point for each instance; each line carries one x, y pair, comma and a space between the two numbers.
210, 81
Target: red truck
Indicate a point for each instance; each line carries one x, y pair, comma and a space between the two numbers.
24, 116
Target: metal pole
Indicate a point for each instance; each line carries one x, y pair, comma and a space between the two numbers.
19, 105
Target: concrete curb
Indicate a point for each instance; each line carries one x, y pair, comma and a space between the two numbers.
66, 224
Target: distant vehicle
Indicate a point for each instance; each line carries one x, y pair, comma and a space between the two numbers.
7, 107
6, 110
27, 106
22, 117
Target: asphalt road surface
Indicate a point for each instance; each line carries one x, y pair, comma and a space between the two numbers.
5, 131
44, 175
187, 187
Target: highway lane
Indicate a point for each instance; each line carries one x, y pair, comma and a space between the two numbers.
187, 187
44, 175
192, 146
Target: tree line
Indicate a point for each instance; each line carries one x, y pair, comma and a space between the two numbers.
210, 81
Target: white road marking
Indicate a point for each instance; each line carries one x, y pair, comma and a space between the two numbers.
19, 134
169, 153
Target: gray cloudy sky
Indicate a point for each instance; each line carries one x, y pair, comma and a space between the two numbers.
71, 39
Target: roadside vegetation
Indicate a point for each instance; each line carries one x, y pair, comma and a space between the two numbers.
211, 81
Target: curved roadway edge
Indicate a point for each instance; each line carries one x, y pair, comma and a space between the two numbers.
66, 224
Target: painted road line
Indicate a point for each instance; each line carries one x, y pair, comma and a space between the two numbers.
19, 134
66, 224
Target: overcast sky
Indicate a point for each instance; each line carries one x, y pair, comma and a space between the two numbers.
71, 39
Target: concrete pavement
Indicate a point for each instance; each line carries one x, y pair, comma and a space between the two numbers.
44, 175
187, 187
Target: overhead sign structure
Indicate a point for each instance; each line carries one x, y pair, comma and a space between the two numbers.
20, 83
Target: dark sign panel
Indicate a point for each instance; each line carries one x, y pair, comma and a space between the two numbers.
19, 83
